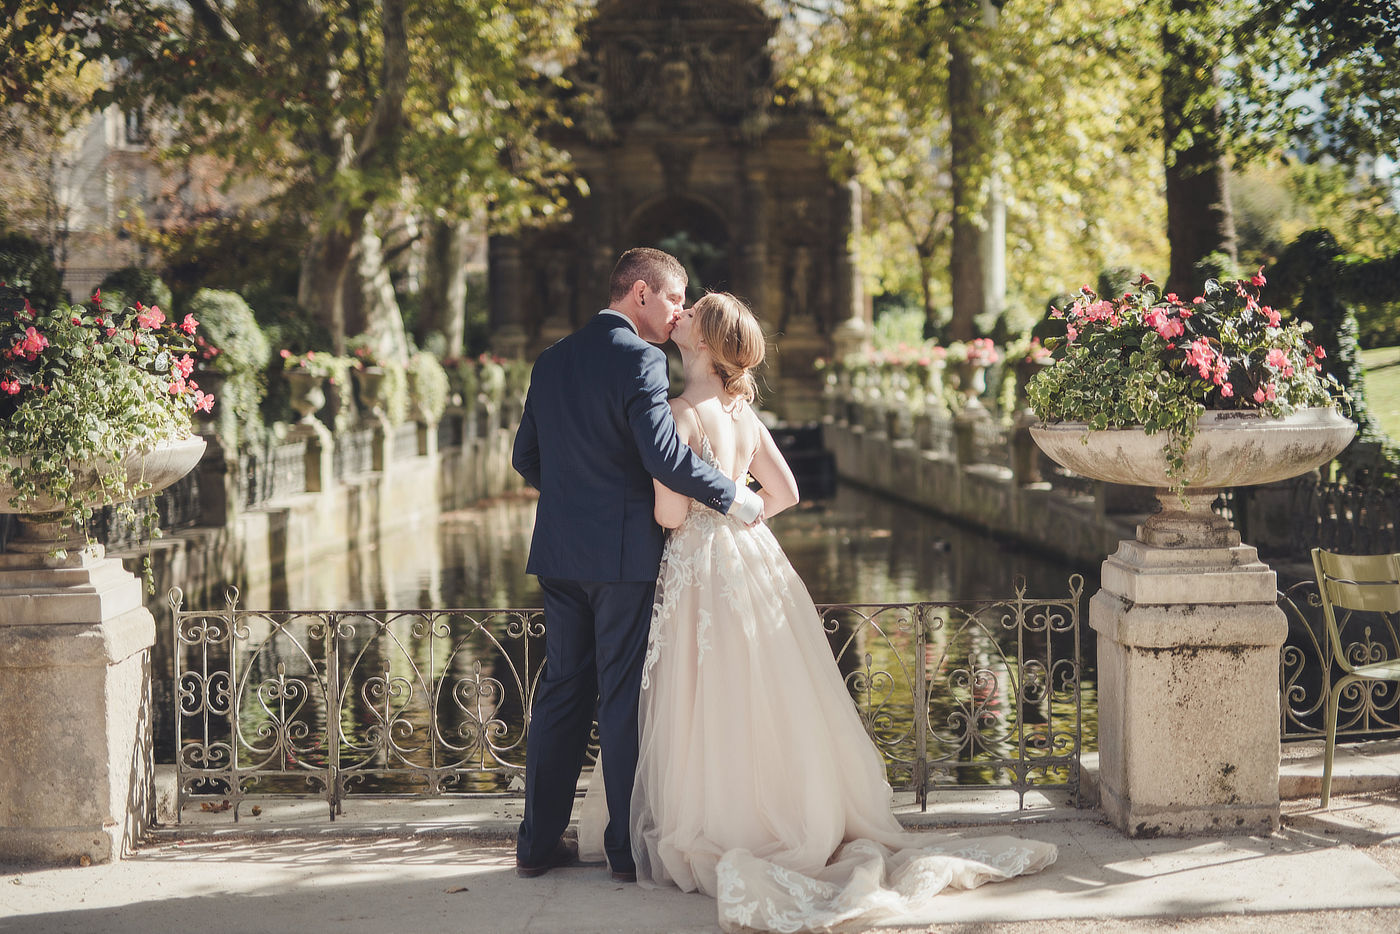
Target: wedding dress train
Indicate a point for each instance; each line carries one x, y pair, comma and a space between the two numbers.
756, 781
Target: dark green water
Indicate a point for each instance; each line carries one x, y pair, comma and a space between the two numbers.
854, 548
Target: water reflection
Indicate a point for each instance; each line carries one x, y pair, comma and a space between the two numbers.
437, 703
853, 548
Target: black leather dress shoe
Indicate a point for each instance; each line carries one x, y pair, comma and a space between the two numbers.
565, 853
619, 875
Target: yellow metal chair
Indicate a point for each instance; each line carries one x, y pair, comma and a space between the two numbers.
1364, 583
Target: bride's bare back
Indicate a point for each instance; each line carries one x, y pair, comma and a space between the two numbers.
740, 444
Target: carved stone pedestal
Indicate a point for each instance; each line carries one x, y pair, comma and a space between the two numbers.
75, 708
1188, 655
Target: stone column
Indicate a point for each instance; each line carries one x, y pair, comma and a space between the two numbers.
753, 248
508, 333
1189, 642
75, 706
852, 330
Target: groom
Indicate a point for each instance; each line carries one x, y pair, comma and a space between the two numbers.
596, 429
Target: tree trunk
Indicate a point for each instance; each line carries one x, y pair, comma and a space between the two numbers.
443, 307
1199, 220
372, 297
325, 269
329, 265
927, 277
970, 164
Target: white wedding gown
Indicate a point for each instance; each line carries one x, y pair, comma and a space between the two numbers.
756, 782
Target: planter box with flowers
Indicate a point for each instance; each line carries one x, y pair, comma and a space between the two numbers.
1187, 397
96, 405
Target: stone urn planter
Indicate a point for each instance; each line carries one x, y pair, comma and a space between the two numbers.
39, 522
971, 382
370, 381
1189, 629
308, 394
1233, 448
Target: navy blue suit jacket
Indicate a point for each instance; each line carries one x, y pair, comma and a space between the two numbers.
596, 429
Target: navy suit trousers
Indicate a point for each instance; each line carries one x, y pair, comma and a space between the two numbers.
595, 640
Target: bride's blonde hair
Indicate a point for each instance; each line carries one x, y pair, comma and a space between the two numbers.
734, 339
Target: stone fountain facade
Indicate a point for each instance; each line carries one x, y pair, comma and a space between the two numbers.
686, 145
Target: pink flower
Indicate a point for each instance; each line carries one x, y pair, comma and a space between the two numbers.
1071, 332
1258, 395
1227, 390
152, 317
10, 386
1199, 355
203, 401
285, 353
189, 324
1277, 359
1318, 352
1198, 300
30, 345
184, 366
1258, 280
1158, 321
1273, 317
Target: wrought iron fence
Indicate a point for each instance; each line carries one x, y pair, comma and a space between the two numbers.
1369, 708
270, 471
353, 454
1346, 516
334, 703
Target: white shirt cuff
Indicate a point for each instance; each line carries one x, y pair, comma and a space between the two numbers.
746, 506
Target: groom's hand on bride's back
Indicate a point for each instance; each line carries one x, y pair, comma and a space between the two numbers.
747, 506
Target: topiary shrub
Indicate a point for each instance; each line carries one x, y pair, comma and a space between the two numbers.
137, 285
240, 353
428, 386
27, 266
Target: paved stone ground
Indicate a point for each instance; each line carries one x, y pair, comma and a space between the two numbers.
448, 866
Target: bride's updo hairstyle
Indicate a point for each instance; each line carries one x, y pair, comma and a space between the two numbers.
734, 339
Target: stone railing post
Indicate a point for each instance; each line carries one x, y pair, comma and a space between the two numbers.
320, 453
1025, 454
965, 425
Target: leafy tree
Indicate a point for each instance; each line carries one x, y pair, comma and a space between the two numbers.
1055, 112
34, 163
348, 113
27, 268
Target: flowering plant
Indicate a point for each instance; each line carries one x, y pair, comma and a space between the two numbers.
318, 363
83, 387
1157, 362
363, 353
980, 351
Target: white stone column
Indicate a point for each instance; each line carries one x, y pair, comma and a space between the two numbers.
1189, 635
75, 707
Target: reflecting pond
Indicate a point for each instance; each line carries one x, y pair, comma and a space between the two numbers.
854, 548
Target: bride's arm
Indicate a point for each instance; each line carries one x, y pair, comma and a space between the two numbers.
771, 469
671, 506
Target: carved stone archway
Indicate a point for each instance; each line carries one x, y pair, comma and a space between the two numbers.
683, 142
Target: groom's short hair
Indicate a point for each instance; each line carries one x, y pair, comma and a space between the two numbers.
651, 266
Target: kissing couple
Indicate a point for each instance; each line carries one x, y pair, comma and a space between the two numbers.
733, 761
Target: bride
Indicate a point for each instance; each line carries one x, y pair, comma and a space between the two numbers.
756, 782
